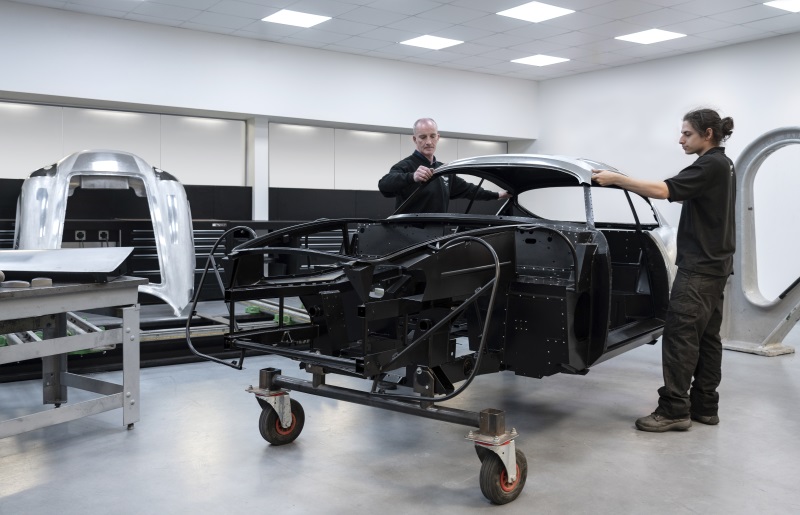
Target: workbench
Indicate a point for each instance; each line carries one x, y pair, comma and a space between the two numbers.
45, 308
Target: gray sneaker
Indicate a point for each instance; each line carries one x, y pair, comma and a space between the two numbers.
711, 420
658, 423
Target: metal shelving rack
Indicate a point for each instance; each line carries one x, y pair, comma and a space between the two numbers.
46, 308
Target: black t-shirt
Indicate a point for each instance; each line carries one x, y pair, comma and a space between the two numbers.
434, 197
707, 229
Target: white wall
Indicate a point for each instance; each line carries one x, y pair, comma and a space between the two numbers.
309, 157
195, 150
67, 54
630, 118
30, 137
203, 150
362, 158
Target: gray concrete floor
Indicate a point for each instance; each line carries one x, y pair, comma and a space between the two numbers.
197, 448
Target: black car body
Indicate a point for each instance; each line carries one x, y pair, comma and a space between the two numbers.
570, 292
420, 304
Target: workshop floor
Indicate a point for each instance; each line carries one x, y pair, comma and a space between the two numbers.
197, 448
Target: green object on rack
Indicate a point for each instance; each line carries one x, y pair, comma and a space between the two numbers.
3, 341
252, 310
287, 320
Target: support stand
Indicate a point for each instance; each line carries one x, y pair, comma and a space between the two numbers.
46, 308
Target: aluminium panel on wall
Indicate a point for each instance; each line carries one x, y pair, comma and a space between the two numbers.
362, 158
97, 129
301, 156
474, 148
204, 151
30, 137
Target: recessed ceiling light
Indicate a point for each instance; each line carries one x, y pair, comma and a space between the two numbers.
651, 36
298, 19
787, 5
540, 60
432, 42
535, 12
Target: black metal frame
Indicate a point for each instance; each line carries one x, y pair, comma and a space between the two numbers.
339, 282
271, 338
532, 296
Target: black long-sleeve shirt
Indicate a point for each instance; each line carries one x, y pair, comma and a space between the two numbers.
435, 197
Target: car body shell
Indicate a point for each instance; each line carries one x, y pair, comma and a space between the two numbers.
565, 295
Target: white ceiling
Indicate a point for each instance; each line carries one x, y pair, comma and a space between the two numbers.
374, 28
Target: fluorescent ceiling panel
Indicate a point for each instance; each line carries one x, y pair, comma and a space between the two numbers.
787, 5
298, 19
432, 42
540, 60
650, 36
535, 12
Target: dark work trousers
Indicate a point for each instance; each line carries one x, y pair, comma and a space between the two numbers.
691, 346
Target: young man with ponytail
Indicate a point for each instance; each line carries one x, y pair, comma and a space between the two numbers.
691, 344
